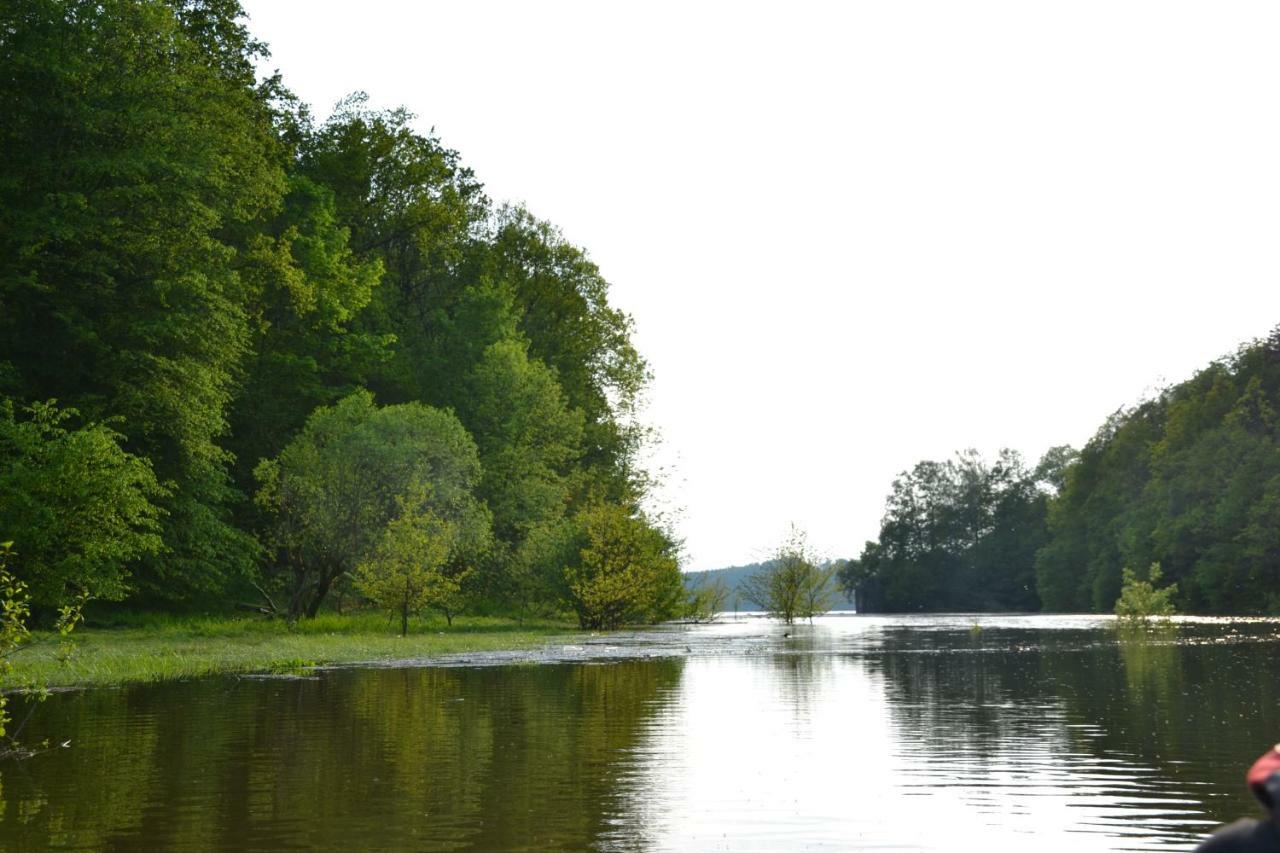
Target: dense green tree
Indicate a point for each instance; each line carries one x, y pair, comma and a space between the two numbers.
958, 535
80, 508
137, 149
1189, 479
334, 489
620, 569
1079, 567
563, 309
529, 444
305, 290
410, 206
186, 256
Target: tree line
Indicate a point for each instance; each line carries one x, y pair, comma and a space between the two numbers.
1188, 481
248, 353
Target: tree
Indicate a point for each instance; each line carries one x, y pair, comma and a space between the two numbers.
1189, 479
411, 207
704, 599
622, 569
138, 152
793, 585
958, 535
529, 444
405, 573
82, 509
562, 304
1141, 599
333, 490
305, 291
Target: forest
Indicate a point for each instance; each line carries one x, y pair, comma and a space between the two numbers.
1187, 481
249, 356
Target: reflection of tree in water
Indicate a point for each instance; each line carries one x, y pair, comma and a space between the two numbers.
800, 667
1199, 702
95, 812
1185, 710
1151, 660
498, 758
961, 692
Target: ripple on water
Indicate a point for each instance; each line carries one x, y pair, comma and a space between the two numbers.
916, 733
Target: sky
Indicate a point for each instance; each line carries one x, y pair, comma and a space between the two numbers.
857, 235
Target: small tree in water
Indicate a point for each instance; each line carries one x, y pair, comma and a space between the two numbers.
704, 599
1140, 599
794, 586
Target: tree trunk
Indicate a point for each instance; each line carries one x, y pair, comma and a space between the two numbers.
322, 589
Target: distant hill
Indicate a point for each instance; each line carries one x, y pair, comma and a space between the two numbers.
734, 575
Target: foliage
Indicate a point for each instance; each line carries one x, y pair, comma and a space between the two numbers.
570, 326
305, 290
958, 535
1140, 599
335, 488
794, 585
1189, 479
196, 266
138, 151
622, 569
81, 507
529, 443
705, 598
414, 210
405, 573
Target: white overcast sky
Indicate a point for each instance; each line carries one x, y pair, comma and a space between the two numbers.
856, 235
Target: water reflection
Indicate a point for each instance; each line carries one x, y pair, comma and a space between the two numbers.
411, 759
854, 733
1152, 663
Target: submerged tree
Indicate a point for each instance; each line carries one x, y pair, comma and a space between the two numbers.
705, 598
1141, 599
793, 585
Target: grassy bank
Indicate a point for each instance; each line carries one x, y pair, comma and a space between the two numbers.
170, 648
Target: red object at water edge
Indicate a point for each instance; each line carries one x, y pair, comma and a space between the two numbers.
1262, 770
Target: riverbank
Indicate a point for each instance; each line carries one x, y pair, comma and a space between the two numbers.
170, 649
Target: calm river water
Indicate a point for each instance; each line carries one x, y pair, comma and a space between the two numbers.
855, 733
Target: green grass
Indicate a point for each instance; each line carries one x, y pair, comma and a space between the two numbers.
167, 648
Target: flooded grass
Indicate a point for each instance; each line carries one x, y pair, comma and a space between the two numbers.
171, 648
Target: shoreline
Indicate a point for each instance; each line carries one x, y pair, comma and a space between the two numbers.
177, 649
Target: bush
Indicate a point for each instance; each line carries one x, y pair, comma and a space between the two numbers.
15, 610
1140, 599
622, 570
78, 506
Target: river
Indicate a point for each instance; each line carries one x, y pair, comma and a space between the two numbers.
853, 733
